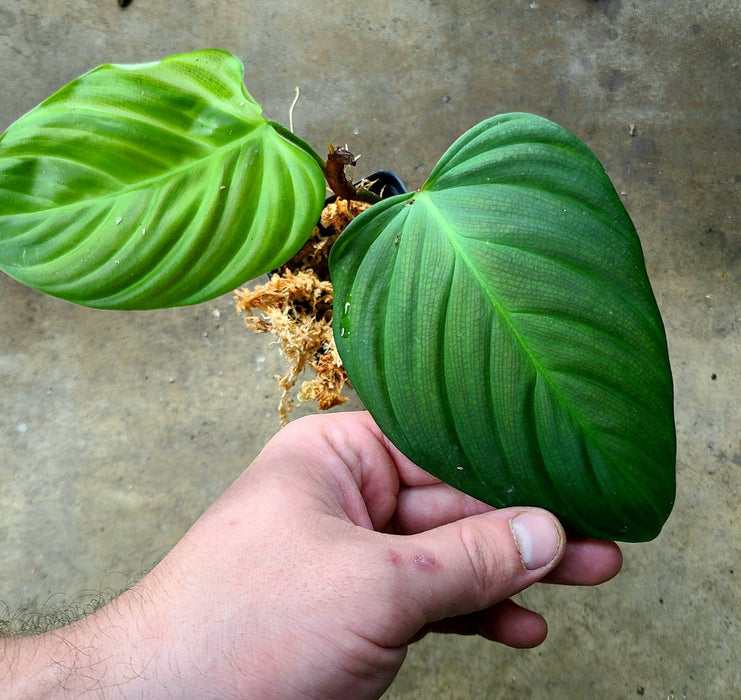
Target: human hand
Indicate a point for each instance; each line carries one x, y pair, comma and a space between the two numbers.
314, 571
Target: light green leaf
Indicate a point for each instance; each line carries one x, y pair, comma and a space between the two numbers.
152, 185
500, 327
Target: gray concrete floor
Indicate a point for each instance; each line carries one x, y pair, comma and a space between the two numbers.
118, 429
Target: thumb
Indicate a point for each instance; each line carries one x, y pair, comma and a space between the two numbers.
473, 563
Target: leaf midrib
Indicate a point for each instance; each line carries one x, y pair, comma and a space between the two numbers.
171, 173
451, 236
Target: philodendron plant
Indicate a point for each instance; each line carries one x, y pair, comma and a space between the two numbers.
498, 323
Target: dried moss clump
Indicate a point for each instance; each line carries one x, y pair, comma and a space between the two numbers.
295, 305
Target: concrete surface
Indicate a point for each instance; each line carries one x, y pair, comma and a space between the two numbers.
118, 429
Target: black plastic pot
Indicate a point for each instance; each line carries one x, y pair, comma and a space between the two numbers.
385, 183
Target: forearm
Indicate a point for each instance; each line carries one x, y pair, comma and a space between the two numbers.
26, 667
106, 654
46, 666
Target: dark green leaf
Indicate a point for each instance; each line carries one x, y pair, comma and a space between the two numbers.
151, 185
500, 327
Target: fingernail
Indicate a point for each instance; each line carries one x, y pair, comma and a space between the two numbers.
536, 537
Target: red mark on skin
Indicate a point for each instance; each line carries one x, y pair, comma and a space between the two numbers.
425, 562
421, 560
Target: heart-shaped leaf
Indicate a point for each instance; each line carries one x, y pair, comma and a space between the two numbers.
152, 185
500, 327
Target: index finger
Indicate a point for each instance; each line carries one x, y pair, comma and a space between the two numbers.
429, 505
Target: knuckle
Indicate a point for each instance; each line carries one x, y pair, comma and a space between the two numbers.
483, 557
